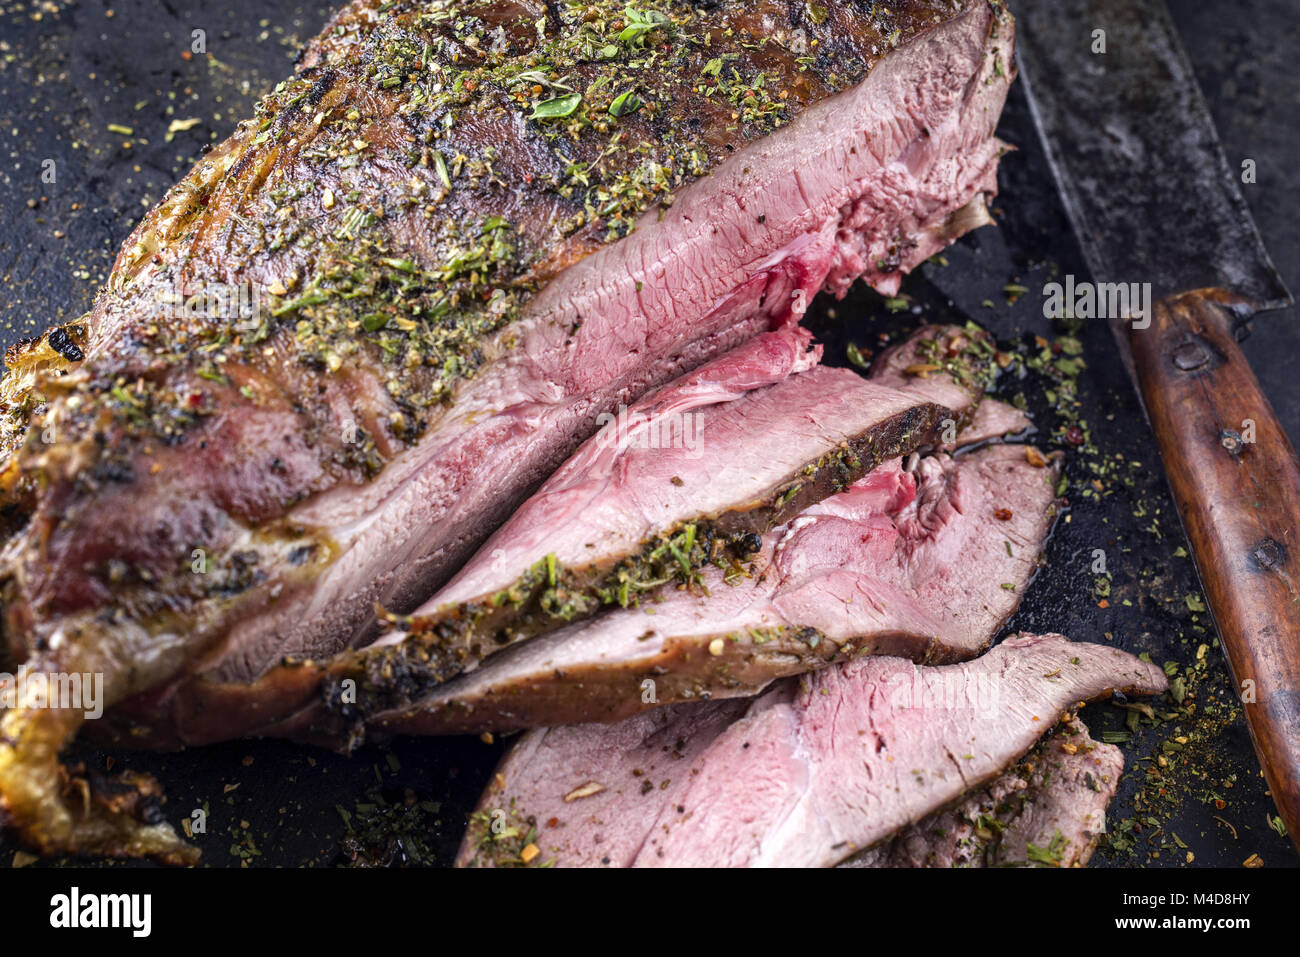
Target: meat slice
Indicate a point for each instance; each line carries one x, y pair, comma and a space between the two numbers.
926, 565
807, 774
1049, 811
994, 420
940, 363
660, 494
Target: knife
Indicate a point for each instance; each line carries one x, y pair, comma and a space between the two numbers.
1152, 199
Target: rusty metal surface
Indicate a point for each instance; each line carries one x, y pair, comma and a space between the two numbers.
1135, 154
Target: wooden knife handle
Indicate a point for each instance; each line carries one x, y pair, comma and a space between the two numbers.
1239, 497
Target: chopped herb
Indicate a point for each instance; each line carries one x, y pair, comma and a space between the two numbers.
639, 24
1047, 855
625, 104
557, 107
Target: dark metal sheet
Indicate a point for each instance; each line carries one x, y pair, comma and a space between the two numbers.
1136, 155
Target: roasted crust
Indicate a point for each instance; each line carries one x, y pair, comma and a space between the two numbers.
358, 250
367, 240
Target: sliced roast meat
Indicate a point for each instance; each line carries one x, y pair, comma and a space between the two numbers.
588, 795
366, 326
809, 773
613, 517
684, 481
993, 420
1049, 811
926, 565
939, 362
685, 487
943, 363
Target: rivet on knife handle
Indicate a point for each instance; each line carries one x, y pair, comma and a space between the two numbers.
1240, 505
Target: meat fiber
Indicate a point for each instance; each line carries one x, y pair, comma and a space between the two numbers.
807, 774
352, 340
995, 420
1049, 811
927, 565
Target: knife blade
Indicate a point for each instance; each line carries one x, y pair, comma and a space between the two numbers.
1135, 152
1158, 212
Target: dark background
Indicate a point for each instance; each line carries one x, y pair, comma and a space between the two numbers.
68, 70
